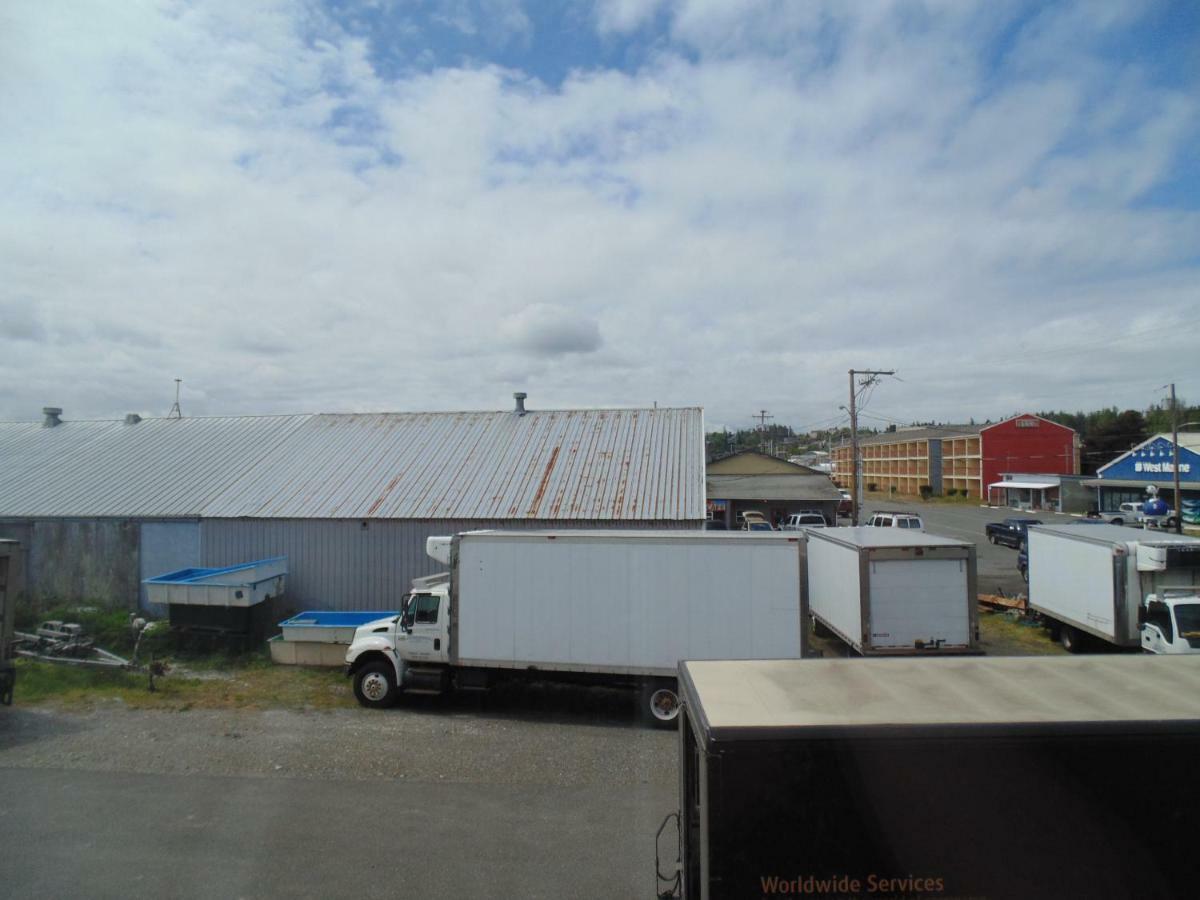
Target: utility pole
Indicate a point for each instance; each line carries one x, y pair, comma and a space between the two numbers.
1175, 462
855, 464
762, 427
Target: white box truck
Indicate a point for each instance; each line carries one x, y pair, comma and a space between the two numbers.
610, 607
1125, 586
892, 591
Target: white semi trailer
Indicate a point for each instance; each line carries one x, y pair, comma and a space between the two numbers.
609, 607
1125, 586
892, 591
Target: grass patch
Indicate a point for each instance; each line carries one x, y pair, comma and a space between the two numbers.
1002, 635
194, 684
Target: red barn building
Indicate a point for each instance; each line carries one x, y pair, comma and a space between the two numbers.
1027, 443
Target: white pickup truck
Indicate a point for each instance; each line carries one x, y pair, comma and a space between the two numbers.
1135, 514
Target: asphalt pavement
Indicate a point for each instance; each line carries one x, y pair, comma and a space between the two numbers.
528, 797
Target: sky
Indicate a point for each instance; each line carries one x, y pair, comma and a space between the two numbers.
395, 205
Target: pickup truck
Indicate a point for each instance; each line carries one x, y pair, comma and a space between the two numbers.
1010, 532
1135, 514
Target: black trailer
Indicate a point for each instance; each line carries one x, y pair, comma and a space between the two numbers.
996, 778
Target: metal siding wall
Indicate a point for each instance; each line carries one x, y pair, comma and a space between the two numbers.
166, 547
92, 561
337, 564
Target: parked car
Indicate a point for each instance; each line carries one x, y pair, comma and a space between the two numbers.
1010, 532
891, 519
753, 525
750, 515
846, 504
809, 518
715, 525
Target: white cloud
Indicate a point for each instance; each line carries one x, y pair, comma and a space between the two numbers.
623, 16
544, 329
234, 195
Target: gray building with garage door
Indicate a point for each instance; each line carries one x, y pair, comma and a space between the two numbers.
349, 499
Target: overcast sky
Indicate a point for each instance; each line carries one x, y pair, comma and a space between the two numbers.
402, 205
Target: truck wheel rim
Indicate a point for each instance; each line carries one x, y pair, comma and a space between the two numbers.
664, 705
374, 686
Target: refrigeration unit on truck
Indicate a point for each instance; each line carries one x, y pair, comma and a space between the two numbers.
1125, 586
609, 607
892, 591
1005, 778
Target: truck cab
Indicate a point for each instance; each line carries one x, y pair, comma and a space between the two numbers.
1171, 622
406, 652
423, 634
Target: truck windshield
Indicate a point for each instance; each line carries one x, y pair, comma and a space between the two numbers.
1187, 619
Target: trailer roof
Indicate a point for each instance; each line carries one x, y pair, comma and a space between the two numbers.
1117, 533
770, 699
639, 534
873, 536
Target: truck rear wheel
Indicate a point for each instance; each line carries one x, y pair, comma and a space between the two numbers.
375, 685
1071, 639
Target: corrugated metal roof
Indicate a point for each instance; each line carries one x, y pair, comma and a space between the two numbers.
552, 464
801, 486
918, 434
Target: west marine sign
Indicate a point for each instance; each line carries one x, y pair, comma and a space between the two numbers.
1153, 461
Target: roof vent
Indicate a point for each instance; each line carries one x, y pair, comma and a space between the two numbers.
132, 418
520, 396
52, 414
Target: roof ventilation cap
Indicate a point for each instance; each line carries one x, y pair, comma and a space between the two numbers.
132, 418
52, 414
520, 396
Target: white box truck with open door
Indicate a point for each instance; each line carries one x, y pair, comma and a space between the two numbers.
609, 607
892, 591
1125, 586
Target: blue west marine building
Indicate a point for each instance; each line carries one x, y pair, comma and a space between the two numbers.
1151, 463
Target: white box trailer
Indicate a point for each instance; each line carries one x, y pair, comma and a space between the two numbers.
890, 591
1126, 586
616, 607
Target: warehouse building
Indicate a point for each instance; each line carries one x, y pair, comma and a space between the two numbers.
959, 459
349, 499
749, 480
1152, 463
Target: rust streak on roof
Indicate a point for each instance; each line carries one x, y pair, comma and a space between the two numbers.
537, 498
383, 496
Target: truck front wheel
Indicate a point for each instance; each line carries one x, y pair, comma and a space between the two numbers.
375, 685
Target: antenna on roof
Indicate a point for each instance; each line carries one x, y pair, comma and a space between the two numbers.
176, 412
